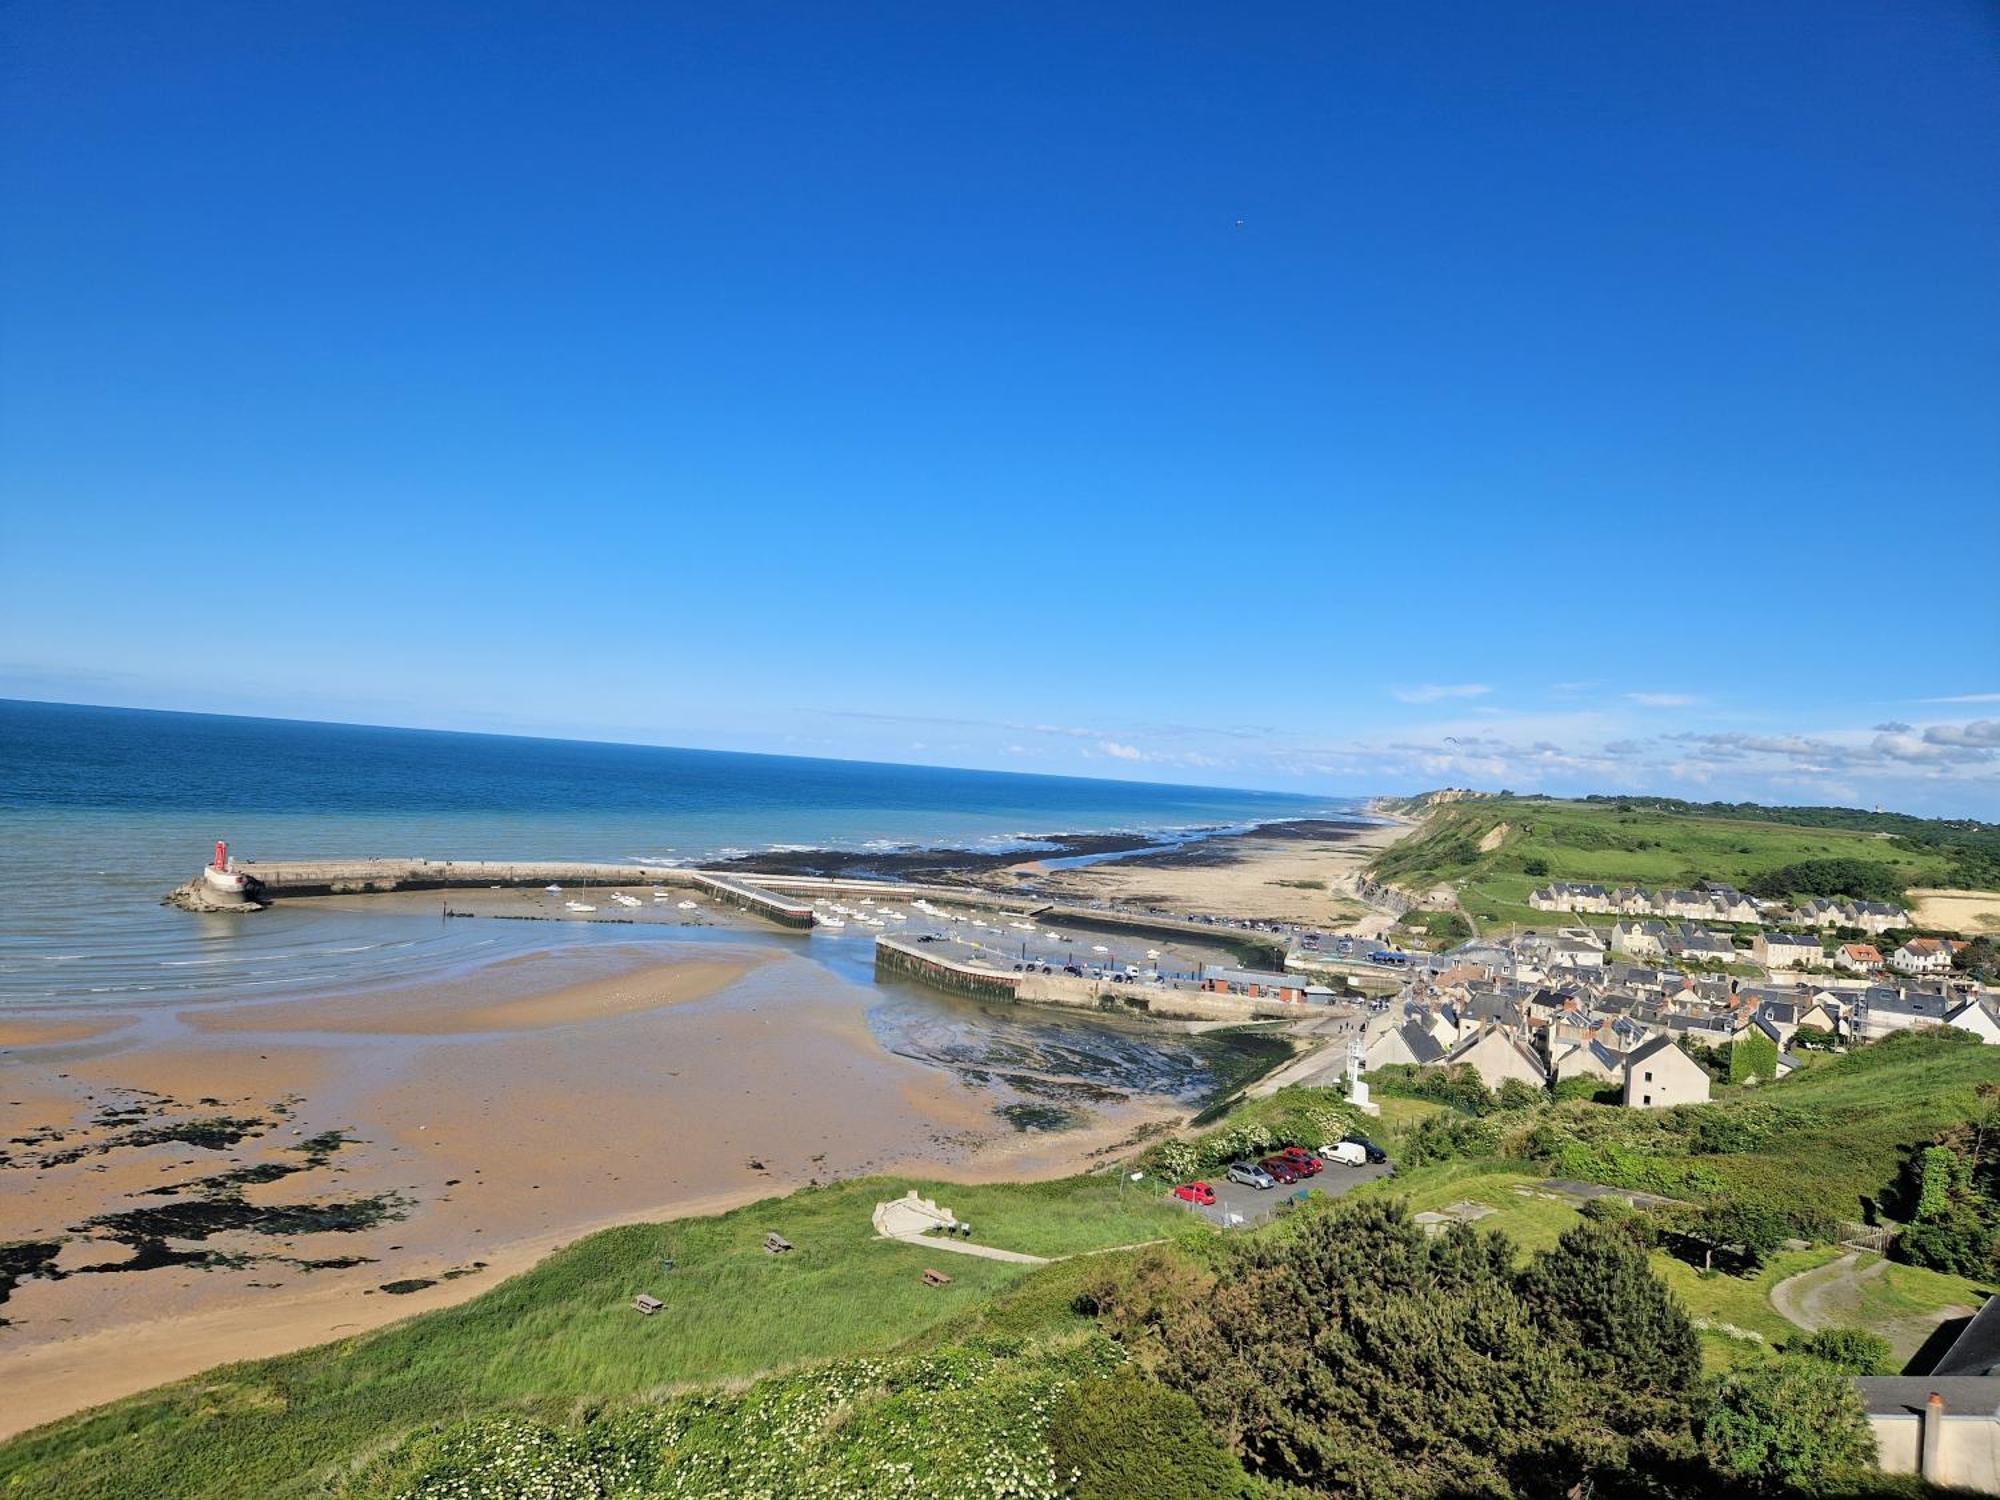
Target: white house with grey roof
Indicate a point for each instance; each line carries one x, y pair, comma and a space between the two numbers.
1659, 1075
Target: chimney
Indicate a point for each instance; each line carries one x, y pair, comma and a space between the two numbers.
1930, 1453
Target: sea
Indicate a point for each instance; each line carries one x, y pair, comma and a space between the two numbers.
104, 810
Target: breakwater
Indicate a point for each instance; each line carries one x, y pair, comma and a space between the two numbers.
905, 957
268, 881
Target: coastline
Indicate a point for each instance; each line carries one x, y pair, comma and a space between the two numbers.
471, 1136
484, 1119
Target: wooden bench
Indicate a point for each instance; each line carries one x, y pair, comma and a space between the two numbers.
647, 1305
776, 1244
935, 1278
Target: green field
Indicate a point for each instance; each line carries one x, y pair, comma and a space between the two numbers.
564, 1336
1600, 843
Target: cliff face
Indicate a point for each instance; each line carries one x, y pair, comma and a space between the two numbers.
1429, 802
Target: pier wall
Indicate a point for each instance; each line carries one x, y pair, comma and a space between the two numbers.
343, 877
912, 960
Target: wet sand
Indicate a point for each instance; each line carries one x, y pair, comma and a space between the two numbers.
474, 1126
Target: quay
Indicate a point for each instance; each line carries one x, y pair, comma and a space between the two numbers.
264, 882
905, 957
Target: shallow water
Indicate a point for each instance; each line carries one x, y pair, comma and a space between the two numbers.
102, 811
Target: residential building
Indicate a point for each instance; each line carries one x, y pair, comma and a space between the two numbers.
1660, 1075
1640, 939
1786, 950
1924, 955
1858, 958
1253, 984
1978, 1018
1497, 1054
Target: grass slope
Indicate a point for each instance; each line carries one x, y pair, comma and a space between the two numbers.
563, 1336
1597, 842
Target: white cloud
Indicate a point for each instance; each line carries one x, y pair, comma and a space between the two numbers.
1121, 752
1664, 700
1435, 692
1965, 698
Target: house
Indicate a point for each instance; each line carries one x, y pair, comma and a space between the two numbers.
1408, 1043
1876, 916
1630, 901
1700, 945
1924, 955
1817, 911
1591, 1060
1640, 939
1731, 905
1976, 1017
1660, 1075
1858, 958
1883, 1011
1945, 1425
1497, 1054
1786, 950
1253, 984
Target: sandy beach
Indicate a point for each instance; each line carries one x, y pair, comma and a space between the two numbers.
218, 1183
1287, 873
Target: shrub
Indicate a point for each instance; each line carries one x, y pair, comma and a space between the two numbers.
1788, 1423
1849, 1349
1124, 1437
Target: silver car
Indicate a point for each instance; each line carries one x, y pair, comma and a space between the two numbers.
1251, 1175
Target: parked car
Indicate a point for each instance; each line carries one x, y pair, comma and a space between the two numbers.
1308, 1164
1250, 1175
1345, 1154
1283, 1168
1199, 1193
1374, 1152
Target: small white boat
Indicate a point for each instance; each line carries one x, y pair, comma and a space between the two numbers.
830, 922
1099, 948
553, 890
690, 906
1152, 953
579, 906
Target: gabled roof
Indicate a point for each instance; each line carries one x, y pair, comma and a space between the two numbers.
1976, 1351
1423, 1046
1650, 1051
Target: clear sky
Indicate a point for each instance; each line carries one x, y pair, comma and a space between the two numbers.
1327, 396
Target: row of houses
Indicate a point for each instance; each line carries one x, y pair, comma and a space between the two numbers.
1773, 948
1715, 902
1592, 1024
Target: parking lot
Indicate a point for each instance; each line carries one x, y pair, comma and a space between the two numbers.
1237, 1206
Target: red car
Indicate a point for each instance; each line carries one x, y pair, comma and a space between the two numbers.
1308, 1164
1197, 1193
1283, 1168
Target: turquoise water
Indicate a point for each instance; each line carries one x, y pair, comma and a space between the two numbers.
102, 811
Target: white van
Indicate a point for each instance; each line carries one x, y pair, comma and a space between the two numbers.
1345, 1154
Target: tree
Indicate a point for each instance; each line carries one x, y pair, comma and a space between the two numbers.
1745, 1232
1752, 1056
1517, 1094
1360, 1358
1849, 1349
1535, 867
1616, 1320
1788, 1423
1125, 1437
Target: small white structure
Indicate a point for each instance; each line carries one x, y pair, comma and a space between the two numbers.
1357, 1086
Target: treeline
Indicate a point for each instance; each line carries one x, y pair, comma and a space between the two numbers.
1859, 879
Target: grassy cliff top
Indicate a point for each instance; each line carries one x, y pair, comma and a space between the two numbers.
1501, 848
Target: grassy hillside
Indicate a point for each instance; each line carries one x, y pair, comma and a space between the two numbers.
564, 1335
1501, 848
862, 1373
1844, 1126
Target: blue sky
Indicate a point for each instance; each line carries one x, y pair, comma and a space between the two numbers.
1350, 398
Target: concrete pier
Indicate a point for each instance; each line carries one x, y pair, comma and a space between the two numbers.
275, 880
